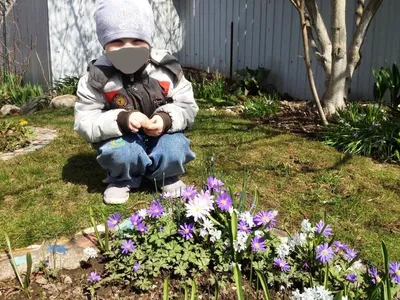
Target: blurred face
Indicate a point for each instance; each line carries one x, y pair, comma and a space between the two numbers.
128, 55
125, 43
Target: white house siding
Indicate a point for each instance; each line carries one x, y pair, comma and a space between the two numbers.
27, 40
73, 37
266, 34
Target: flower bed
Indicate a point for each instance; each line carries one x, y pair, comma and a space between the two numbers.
218, 234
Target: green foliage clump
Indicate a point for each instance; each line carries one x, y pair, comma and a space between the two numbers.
66, 86
162, 249
370, 130
253, 82
13, 135
261, 106
14, 91
387, 80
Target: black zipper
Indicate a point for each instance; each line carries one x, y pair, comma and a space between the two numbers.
134, 96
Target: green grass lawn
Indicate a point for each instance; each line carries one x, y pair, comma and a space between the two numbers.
47, 194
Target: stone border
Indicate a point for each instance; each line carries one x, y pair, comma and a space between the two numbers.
43, 136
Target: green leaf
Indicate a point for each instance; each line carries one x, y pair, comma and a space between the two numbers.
264, 284
165, 289
338, 296
238, 280
385, 256
13, 264
28, 270
194, 290
94, 224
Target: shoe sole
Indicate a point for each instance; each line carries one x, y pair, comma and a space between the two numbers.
115, 200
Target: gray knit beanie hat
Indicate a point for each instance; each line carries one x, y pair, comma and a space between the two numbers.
116, 19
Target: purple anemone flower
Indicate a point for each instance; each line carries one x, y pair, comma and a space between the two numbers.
128, 246
94, 277
266, 218
224, 201
350, 254
214, 184
156, 209
136, 267
339, 246
281, 264
242, 226
142, 228
257, 244
186, 230
394, 270
320, 226
114, 220
373, 273
135, 219
189, 193
351, 277
324, 253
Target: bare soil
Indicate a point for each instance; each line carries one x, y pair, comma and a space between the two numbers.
72, 284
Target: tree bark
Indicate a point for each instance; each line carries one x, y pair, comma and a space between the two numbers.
362, 21
336, 94
325, 45
307, 60
338, 61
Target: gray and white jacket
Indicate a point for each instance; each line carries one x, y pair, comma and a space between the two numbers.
103, 94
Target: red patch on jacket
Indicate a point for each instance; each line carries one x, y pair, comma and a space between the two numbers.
110, 95
165, 85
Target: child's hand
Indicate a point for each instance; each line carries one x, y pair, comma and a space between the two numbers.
137, 120
155, 126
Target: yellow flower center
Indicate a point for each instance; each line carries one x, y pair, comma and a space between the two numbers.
266, 219
187, 230
397, 272
378, 279
223, 202
256, 245
324, 252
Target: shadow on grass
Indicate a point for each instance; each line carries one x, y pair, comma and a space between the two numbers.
83, 169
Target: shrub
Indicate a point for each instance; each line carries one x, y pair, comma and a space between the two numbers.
387, 80
13, 135
14, 91
369, 130
253, 82
262, 106
66, 86
210, 89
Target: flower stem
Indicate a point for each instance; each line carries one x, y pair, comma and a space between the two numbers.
326, 276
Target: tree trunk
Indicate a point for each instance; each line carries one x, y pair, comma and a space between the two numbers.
336, 93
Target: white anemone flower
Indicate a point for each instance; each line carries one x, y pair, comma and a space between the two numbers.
306, 226
90, 252
142, 213
215, 235
208, 224
197, 208
247, 217
283, 250
206, 199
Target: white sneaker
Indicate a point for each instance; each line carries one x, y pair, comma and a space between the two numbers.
173, 187
116, 194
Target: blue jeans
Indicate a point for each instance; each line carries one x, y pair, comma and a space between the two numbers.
132, 156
